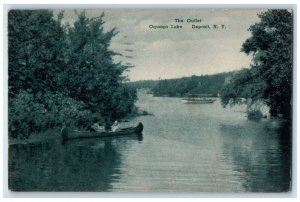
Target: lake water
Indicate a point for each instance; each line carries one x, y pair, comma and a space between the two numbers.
184, 148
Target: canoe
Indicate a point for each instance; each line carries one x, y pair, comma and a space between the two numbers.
194, 101
67, 133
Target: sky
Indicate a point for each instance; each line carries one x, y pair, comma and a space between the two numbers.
174, 53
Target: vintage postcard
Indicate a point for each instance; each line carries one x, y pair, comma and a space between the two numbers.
174, 100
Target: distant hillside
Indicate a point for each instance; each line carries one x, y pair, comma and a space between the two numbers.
204, 84
144, 84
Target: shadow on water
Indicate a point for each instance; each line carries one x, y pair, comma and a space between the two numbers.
262, 156
77, 165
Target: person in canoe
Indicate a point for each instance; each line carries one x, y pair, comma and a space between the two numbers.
98, 128
115, 126
107, 127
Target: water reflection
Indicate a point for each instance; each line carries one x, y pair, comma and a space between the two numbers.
185, 148
261, 156
77, 165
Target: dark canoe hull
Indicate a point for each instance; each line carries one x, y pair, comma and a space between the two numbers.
68, 134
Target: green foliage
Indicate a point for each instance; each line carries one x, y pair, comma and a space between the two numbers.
35, 48
122, 102
65, 110
20, 123
207, 84
29, 113
243, 84
145, 84
92, 75
270, 77
61, 74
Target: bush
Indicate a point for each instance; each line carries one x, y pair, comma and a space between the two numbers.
28, 113
25, 115
65, 110
122, 102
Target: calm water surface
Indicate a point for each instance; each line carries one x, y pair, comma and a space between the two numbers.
184, 148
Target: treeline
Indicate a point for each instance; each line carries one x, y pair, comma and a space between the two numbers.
144, 84
269, 80
62, 74
205, 84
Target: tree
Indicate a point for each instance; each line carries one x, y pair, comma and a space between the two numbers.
270, 77
204, 84
36, 44
35, 48
62, 74
92, 75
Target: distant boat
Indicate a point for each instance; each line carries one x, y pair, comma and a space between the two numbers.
198, 99
129, 50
